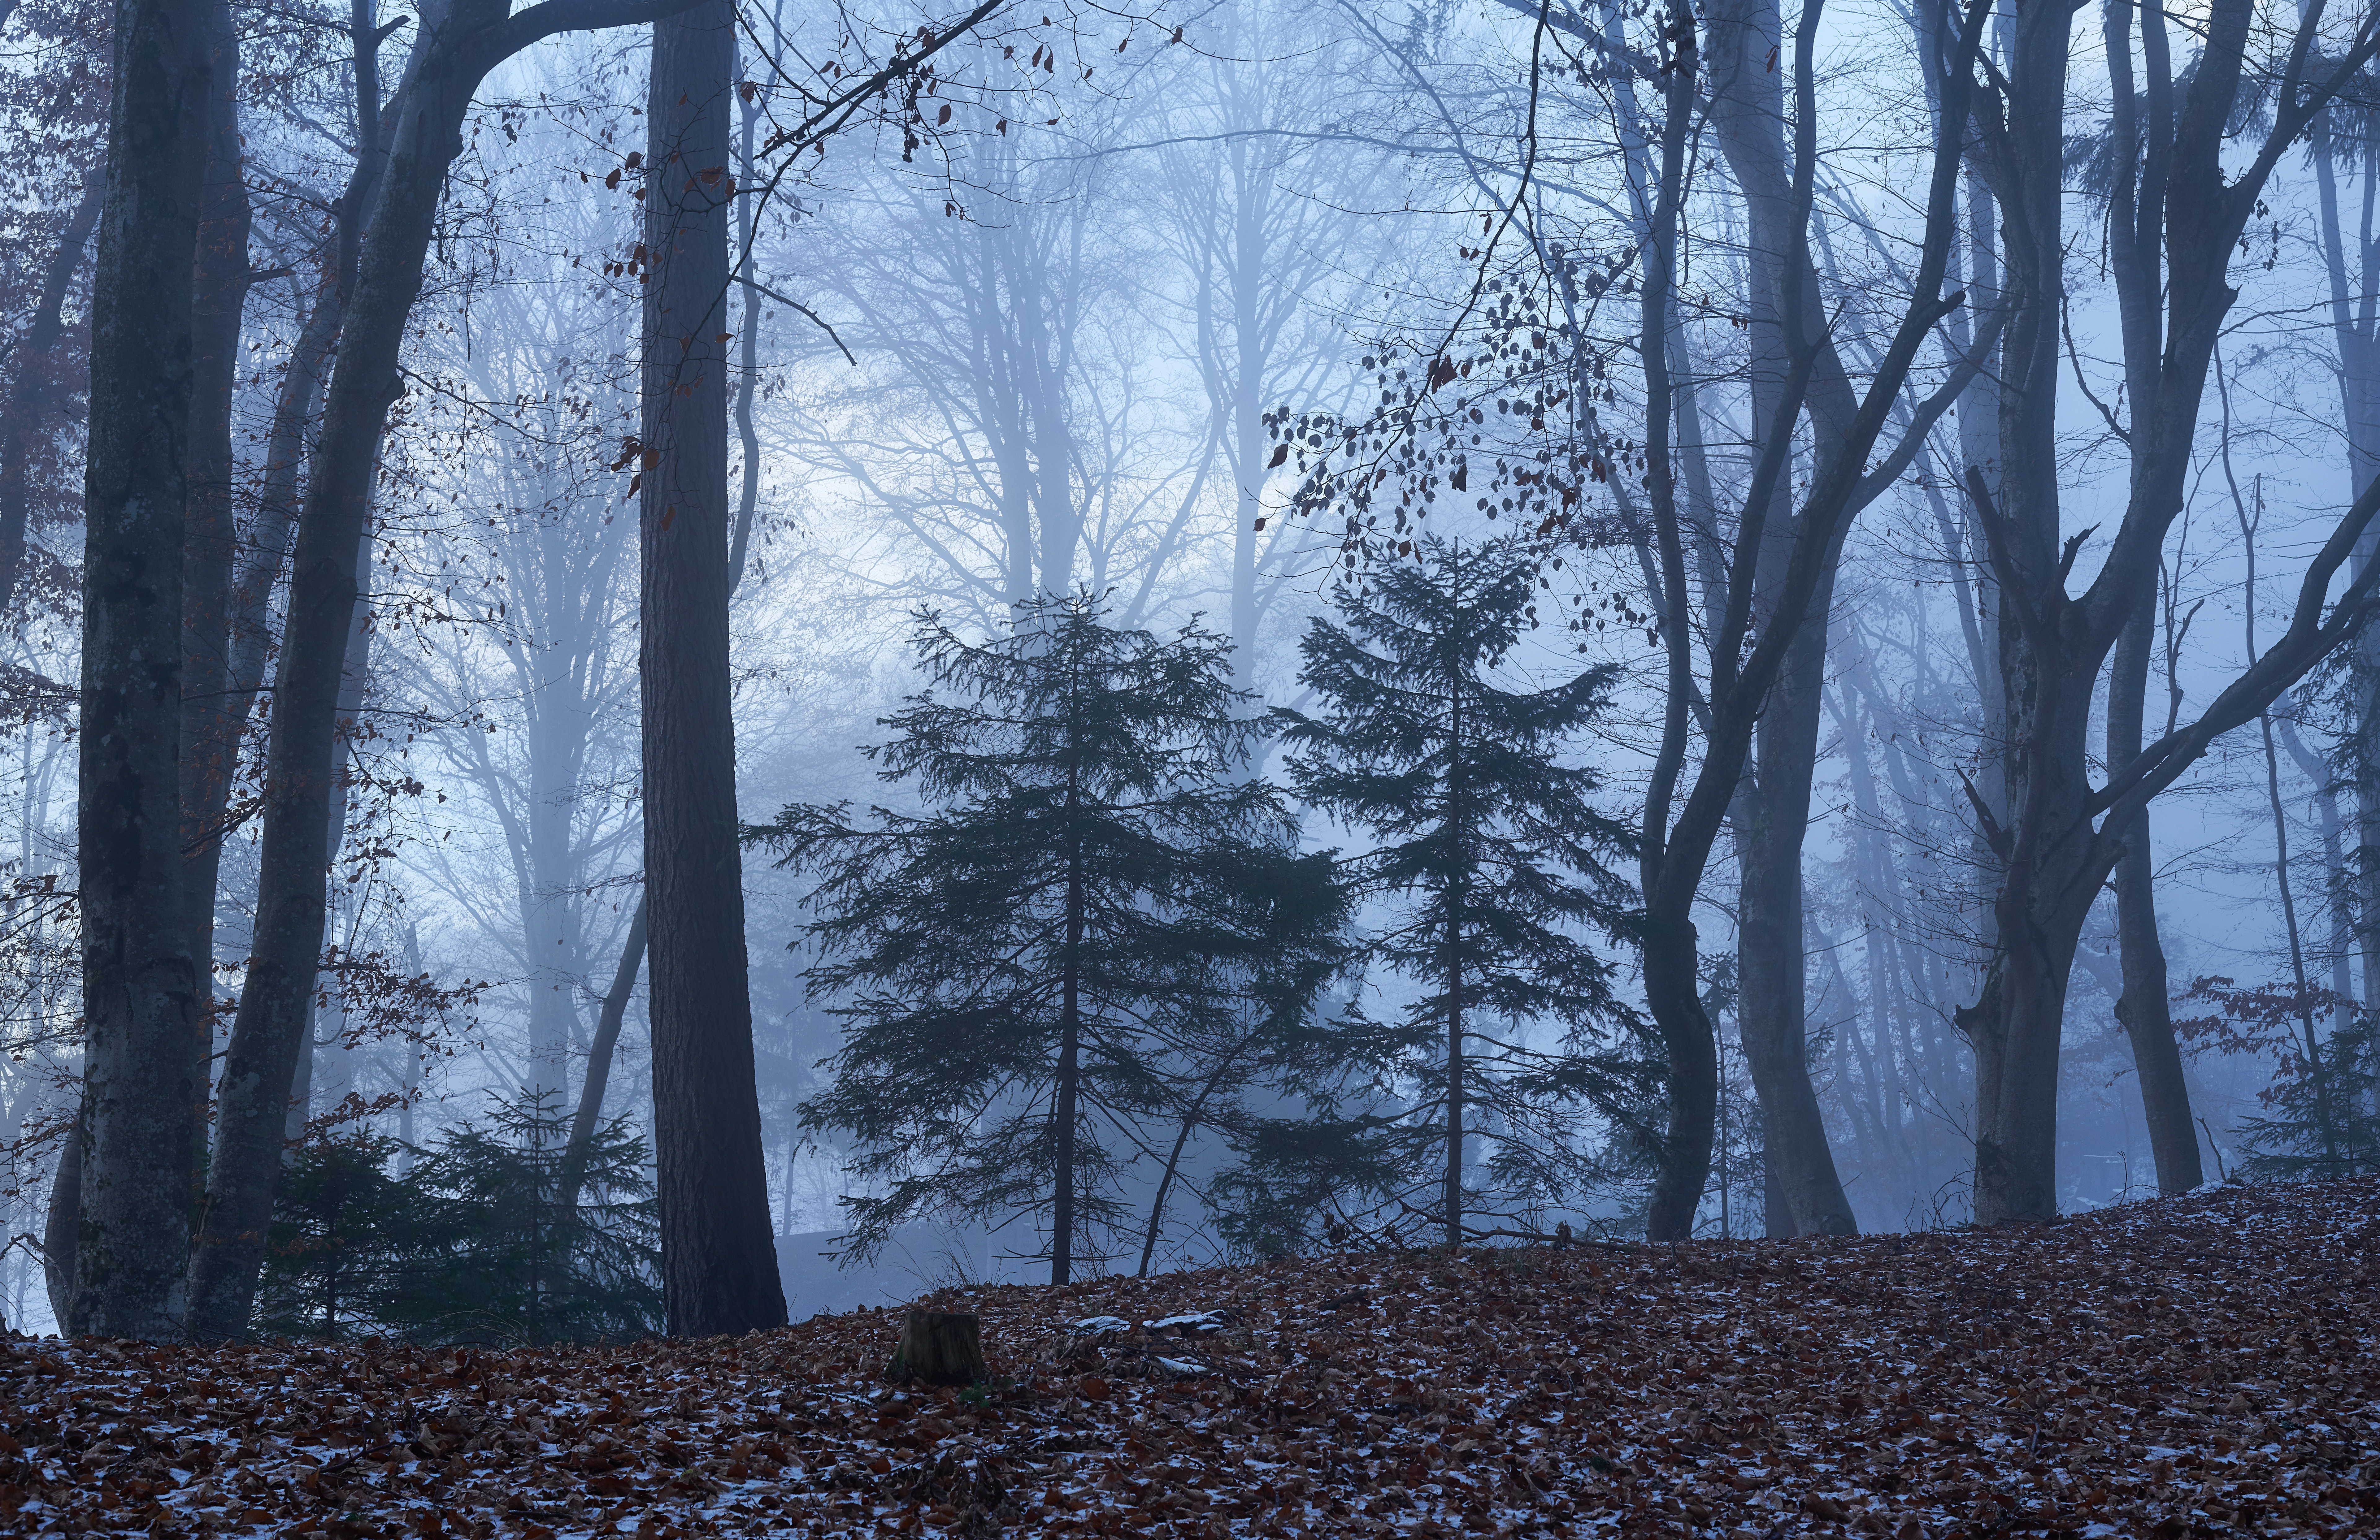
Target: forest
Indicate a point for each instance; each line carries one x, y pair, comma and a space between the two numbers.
678, 665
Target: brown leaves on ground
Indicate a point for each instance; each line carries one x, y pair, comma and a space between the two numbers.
2200, 1366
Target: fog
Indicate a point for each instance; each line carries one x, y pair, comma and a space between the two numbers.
1214, 314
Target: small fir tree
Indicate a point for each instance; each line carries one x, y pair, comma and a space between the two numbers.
1489, 858
475, 1242
508, 1257
1070, 945
341, 1234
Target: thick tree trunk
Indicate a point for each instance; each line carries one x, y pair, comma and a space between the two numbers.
719, 1265
2146, 1008
210, 736
29, 396
1672, 993
2017, 1027
139, 986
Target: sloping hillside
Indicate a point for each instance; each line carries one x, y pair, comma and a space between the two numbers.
2198, 1365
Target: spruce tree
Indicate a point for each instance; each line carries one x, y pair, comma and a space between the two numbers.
1036, 968
1487, 858
476, 1242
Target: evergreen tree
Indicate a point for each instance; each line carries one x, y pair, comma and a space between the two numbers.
1065, 948
505, 1255
342, 1231
477, 1242
1489, 859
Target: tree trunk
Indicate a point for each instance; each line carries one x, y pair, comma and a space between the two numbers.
139, 986
719, 1265
1673, 996
599, 1060
941, 1348
209, 737
59, 1229
30, 393
2145, 1007
301, 769
1772, 1006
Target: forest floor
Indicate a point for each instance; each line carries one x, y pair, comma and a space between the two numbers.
2197, 1366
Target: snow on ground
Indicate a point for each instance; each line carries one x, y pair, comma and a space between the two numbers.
2202, 1365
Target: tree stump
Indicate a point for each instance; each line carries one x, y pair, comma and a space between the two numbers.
940, 1347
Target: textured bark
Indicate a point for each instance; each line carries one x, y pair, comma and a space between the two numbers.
719, 1265
941, 1347
219, 291
2146, 1008
140, 991
29, 395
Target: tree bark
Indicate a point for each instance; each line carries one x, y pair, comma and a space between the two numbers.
209, 737
29, 395
139, 989
941, 1348
2145, 1007
719, 1264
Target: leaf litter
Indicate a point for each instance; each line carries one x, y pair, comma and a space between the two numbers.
2199, 1366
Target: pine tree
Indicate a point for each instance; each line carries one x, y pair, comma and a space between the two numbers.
1066, 947
1489, 859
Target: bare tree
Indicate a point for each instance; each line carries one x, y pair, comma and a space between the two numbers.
2059, 836
1781, 586
457, 43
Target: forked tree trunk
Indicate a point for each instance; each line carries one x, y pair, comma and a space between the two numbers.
138, 985
719, 1264
1747, 110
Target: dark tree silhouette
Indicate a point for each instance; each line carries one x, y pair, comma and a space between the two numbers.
1491, 856
1044, 958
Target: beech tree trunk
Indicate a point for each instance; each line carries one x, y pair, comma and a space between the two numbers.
2146, 1008
2180, 200
719, 1263
139, 986
209, 735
